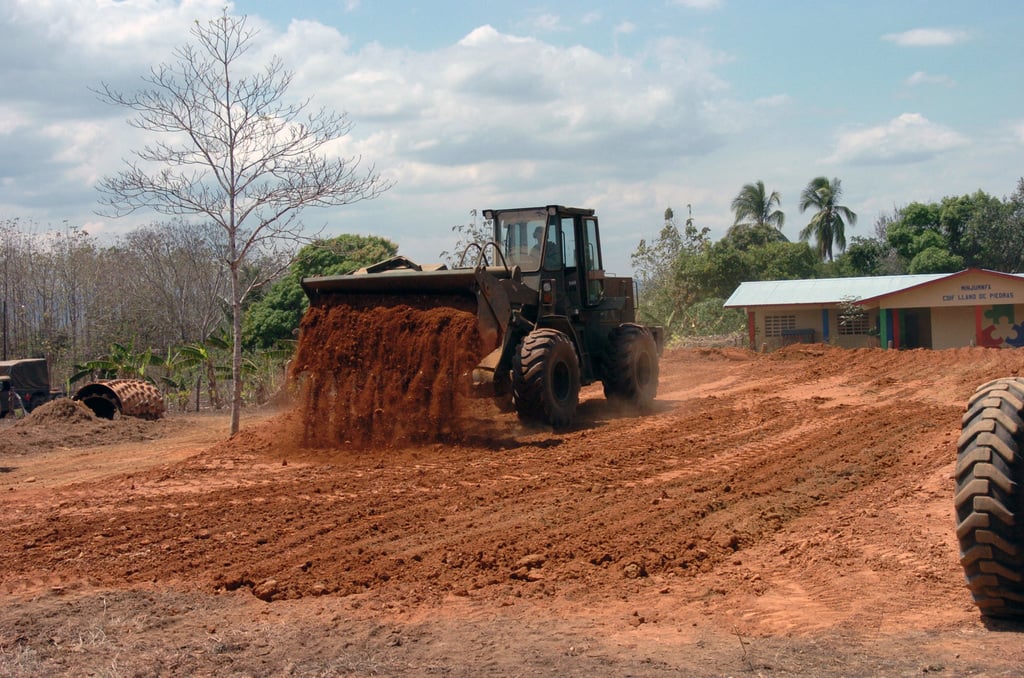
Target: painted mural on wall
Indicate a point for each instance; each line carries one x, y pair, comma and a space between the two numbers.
999, 328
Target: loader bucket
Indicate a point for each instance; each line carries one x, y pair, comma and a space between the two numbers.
459, 282
467, 289
377, 368
387, 357
421, 290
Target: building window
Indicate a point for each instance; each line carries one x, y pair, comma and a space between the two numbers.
854, 324
775, 324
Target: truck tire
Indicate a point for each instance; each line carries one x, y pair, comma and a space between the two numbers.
546, 378
989, 498
632, 366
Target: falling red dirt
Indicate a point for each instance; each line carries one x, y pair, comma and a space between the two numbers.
383, 373
780, 514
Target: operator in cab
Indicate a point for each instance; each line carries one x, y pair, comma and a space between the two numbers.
552, 258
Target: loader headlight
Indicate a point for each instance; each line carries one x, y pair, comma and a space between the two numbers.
547, 292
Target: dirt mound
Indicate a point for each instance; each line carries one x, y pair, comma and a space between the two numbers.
383, 371
65, 423
62, 411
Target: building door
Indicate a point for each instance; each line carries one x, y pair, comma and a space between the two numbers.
916, 328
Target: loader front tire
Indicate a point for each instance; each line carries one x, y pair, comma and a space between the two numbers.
546, 378
989, 497
632, 366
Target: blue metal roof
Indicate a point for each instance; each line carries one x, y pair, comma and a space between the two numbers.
822, 291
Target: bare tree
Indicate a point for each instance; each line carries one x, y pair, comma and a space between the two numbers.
239, 156
469, 234
176, 269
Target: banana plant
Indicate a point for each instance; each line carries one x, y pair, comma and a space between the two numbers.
265, 369
122, 362
204, 355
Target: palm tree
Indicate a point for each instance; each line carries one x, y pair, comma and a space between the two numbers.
828, 225
755, 205
758, 221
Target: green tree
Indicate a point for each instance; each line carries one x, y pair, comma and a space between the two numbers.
782, 261
204, 357
267, 371
908, 240
277, 314
935, 259
863, 257
746, 236
921, 217
654, 265
915, 228
920, 234
828, 224
966, 221
709, 317
716, 272
232, 152
993, 236
713, 273
755, 206
758, 219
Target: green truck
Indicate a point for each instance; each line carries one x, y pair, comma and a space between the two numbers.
25, 384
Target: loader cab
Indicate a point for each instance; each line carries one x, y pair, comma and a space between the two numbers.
593, 267
558, 251
523, 236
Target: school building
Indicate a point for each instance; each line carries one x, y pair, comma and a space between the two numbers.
975, 307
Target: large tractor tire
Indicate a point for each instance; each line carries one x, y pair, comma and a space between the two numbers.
546, 378
632, 367
990, 499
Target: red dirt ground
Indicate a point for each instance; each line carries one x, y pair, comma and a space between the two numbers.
780, 514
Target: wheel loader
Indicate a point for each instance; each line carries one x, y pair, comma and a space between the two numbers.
549, 317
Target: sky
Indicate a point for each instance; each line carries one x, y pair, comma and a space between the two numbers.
624, 107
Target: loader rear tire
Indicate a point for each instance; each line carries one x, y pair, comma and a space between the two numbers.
989, 497
546, 378
632, 367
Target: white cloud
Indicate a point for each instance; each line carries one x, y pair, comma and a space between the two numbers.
12, 119
922, 78
625, 28
773, 101
495, 117
698, 4
547, 23
141, 26
910, 138
500, 119
78, 149
1018, 131
927, 37
494, 95
487, 34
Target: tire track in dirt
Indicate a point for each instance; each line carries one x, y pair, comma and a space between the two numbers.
733, 461
788, 512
